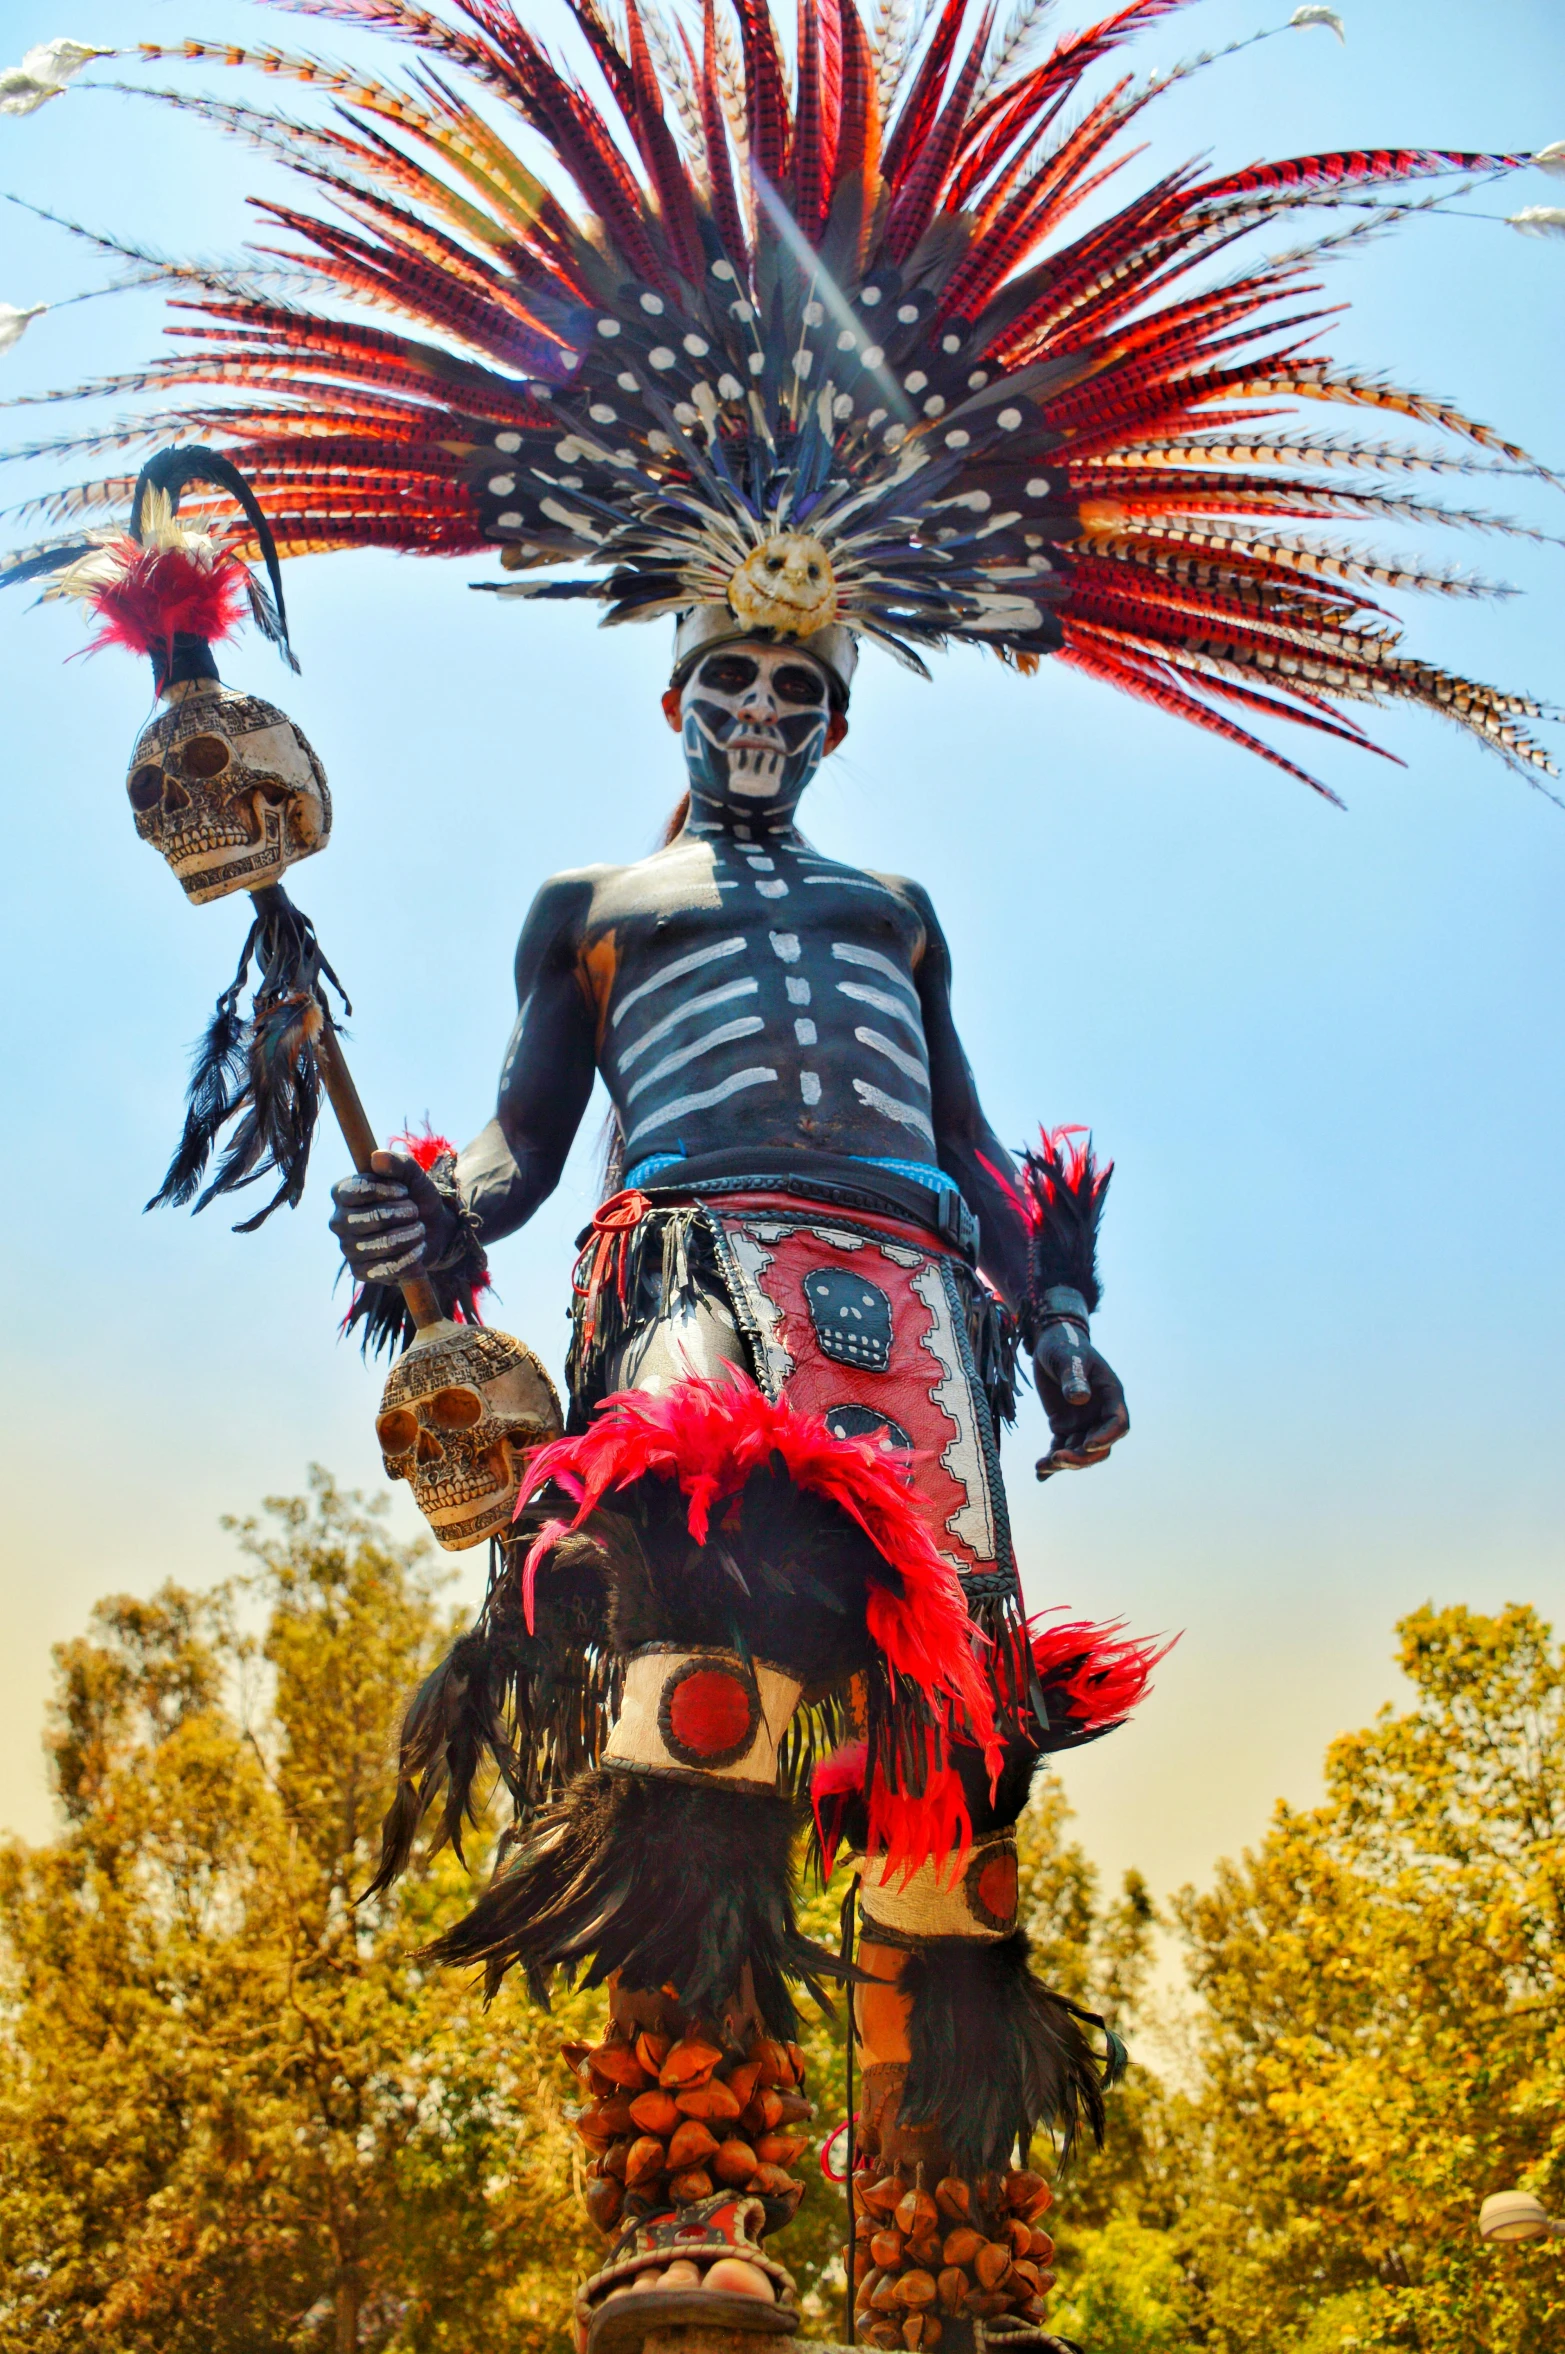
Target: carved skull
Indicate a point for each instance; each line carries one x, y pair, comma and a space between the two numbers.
227, 789
786, 584
461, 1412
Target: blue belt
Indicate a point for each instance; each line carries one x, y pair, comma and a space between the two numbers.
921, 1172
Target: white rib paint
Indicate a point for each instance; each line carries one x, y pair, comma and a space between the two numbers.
902, 1113
683, 1013
865, 995
847, 882
908, 1064
757, 1076
846, 953
745, 1027
673, 972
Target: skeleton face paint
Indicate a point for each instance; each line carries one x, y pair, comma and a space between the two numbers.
754, 720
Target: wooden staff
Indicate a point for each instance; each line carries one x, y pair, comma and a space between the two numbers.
359, 1137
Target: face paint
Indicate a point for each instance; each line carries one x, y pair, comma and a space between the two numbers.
753, 725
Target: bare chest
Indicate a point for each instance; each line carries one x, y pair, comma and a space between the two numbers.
757, 993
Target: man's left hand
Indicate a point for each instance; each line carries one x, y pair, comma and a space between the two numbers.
1082, 1397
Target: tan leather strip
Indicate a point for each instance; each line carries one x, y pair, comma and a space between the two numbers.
678, 1704
971, 1894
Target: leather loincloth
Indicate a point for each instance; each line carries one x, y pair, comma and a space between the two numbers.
863, 1318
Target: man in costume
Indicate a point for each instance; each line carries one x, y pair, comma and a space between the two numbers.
802, 1150
823, 358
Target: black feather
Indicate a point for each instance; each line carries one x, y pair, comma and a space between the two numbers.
784, 1577
995, 2054
669, 1883
1065, 1193
217, 1085
259, 1072
534, 1705
173, 471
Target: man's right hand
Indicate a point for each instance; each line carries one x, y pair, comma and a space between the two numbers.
391, 1222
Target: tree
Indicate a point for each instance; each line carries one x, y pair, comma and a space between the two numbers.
237, 2112
1381, 1988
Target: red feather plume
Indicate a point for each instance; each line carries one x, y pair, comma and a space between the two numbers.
1101, 1672
164, 593
710, 1437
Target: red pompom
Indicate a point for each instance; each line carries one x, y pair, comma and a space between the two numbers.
425, 1148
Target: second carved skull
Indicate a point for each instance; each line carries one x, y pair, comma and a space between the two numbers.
461, 1412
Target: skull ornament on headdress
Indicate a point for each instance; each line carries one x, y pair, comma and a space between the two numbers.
226, 788
460, 1414
786, 585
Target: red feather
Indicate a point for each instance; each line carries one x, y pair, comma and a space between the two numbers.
1150, 681
808, 177
831, 91
917, 114
858, 142
766, 98
1102, 1673
425, 1146
903, 1827
1350, 168
711, 1436
661, 154
167, 593
915, 207
719, 161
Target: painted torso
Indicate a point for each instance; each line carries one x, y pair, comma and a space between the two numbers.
750, 993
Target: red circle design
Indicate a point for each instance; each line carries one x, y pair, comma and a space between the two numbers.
710, 1712
996, 1885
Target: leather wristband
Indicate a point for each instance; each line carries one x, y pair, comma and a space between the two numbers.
465, 1250
1062, 1305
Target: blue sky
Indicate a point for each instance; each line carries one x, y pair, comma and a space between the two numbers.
1323, 1049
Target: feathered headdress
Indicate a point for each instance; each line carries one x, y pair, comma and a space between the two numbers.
832, 347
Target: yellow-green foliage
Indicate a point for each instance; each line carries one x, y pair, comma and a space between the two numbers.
236, 2112
1381, 2030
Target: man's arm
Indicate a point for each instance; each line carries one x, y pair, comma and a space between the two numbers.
400, 1218
1080, 1390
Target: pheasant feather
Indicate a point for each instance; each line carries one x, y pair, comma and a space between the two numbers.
855, 290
